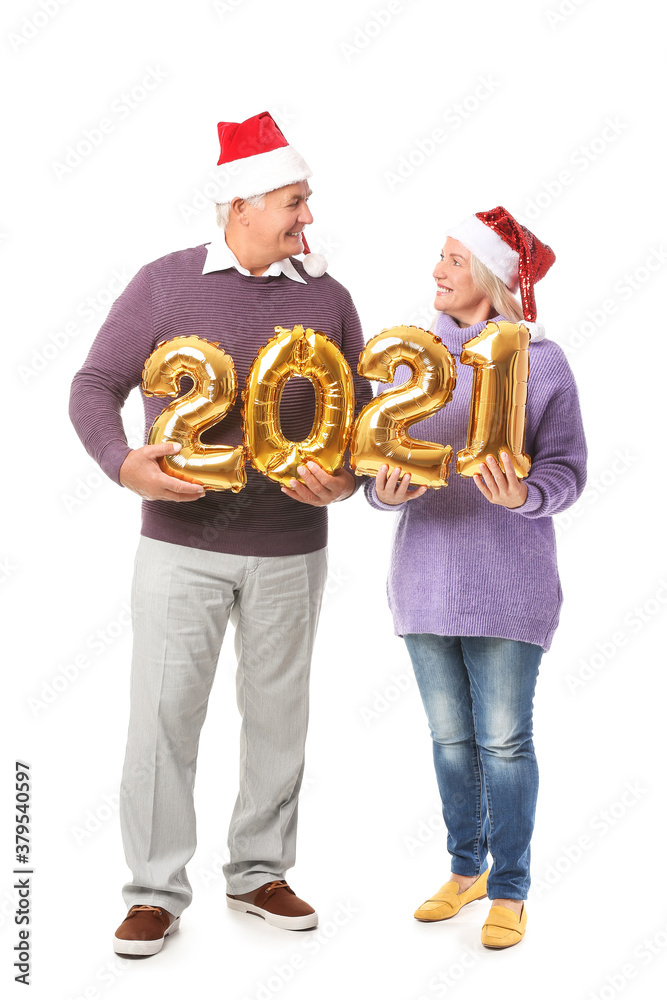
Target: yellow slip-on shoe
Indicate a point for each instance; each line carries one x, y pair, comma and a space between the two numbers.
503, 927
448, 900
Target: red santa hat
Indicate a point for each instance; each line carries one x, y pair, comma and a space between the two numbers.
263, 161
511, 252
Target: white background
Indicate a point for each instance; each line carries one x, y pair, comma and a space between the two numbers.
520, 95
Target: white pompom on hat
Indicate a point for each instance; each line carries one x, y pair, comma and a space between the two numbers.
263, 161
511, 252
315, 264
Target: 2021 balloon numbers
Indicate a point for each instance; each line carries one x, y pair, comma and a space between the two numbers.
499, 357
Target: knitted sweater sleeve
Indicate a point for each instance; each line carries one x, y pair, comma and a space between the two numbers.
113, 367
558, 472
373, 499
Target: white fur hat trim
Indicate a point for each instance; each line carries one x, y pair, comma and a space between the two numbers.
260, 173
490, 248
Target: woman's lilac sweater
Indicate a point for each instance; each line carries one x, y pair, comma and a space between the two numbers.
463, 566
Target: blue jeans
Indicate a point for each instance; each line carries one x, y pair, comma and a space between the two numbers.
478, 695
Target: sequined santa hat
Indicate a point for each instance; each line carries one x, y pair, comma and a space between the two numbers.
264, 161
511, 252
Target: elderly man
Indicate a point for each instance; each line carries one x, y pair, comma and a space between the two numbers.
257, 556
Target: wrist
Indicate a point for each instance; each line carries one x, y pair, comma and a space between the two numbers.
349, 481
521, 500
388, 502
343, 496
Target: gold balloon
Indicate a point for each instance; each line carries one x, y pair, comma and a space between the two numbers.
499, 356
380, 434
311, 355
214, 466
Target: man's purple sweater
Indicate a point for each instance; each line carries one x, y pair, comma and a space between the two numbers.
170, 298
465, 567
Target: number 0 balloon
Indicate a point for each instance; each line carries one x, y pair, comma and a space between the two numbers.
311, 355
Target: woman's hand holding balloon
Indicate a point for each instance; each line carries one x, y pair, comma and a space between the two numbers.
501, 487
392, 489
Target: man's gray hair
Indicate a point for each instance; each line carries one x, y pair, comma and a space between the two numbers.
223, 209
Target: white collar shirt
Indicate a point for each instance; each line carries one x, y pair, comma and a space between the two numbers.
219, 258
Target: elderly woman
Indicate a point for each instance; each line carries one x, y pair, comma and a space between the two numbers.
473, 584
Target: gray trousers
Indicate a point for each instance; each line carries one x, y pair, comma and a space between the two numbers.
182, 599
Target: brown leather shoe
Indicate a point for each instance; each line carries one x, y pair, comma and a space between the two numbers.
143, 931
277, 904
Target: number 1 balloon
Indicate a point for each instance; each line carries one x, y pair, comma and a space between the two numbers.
497, 423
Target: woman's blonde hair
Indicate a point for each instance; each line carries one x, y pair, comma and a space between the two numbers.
495, 291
